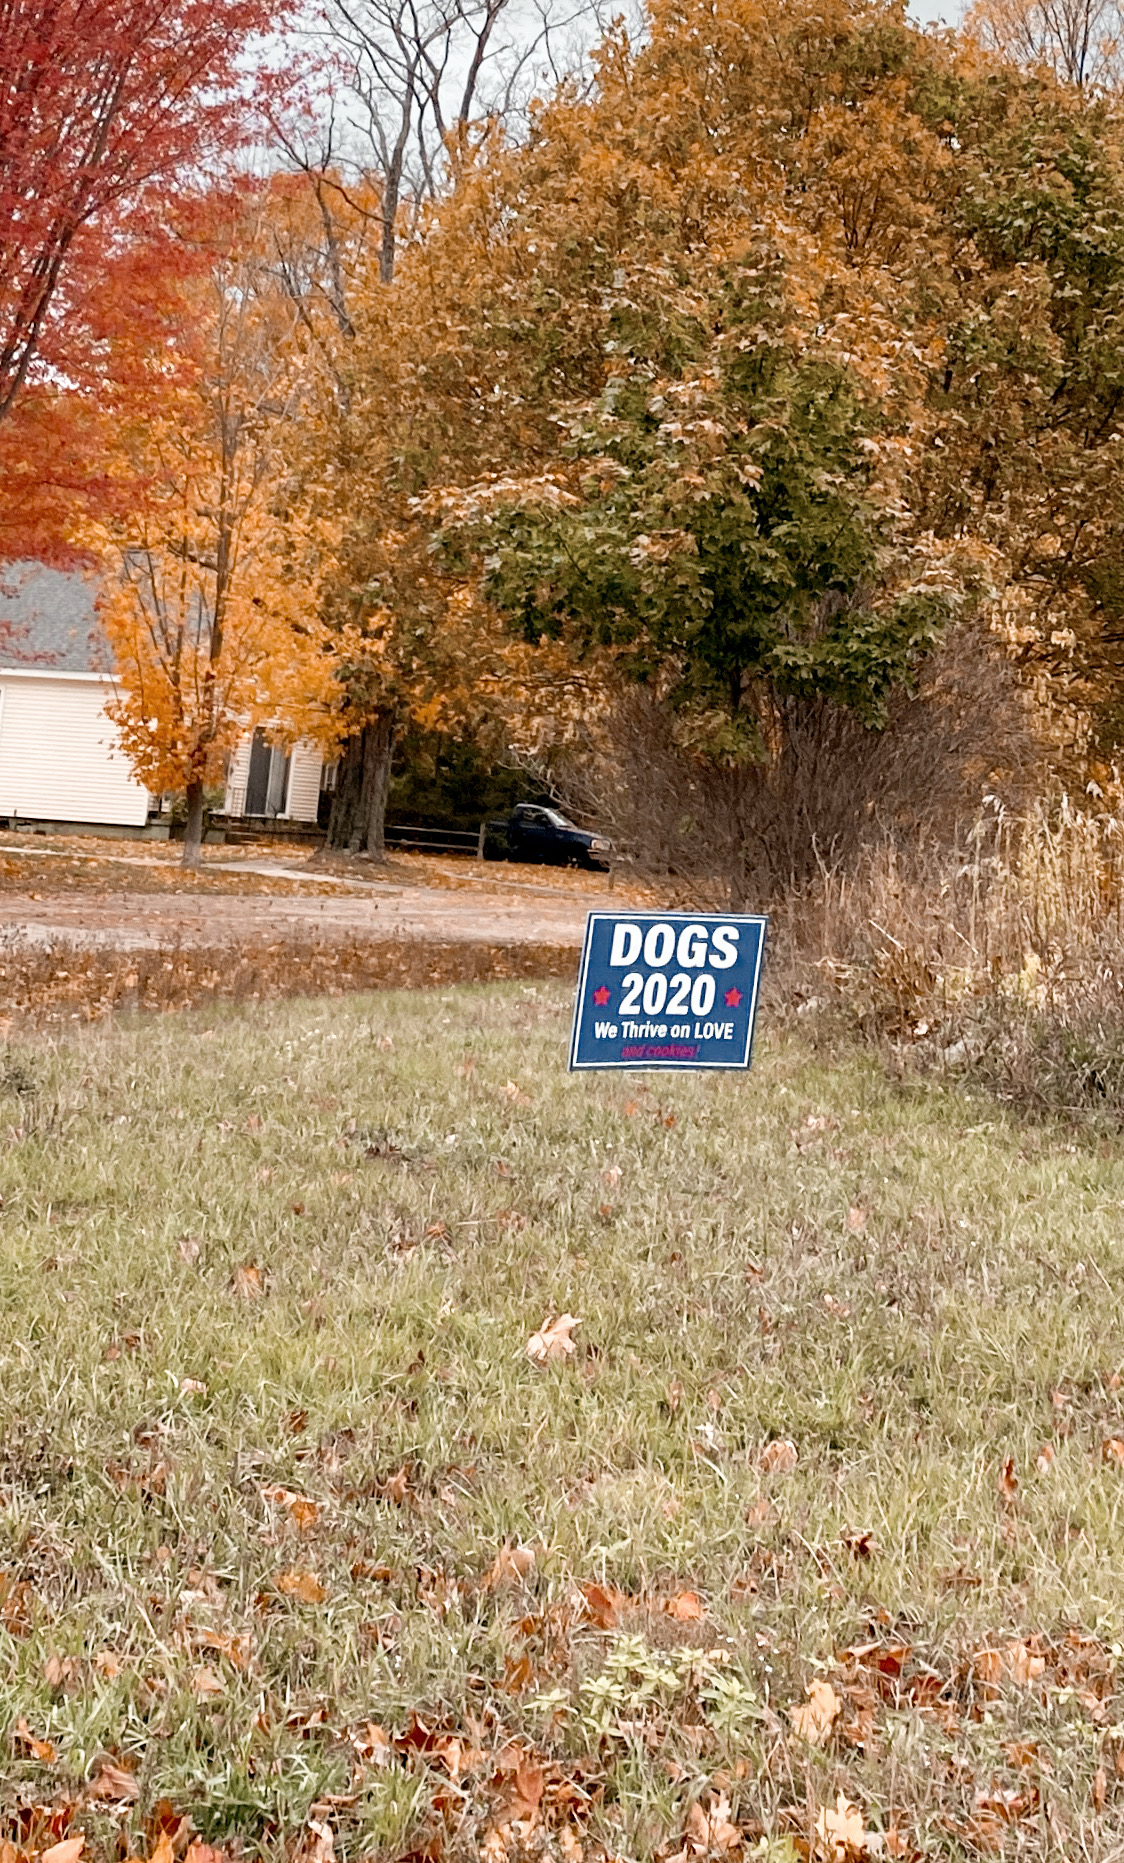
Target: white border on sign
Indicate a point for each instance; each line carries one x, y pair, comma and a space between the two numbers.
665, 1067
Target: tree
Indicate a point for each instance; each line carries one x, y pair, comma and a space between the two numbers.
1080, 41
98, 100
215, 569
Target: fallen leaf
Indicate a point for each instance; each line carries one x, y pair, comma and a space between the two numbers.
303, 1585
372, 1743
1008, 1480
44, 1751
857, 1219
68, 1851
207, 1681
510, 1566
758, 1512
1045, 1459
778, 1458
1100, 1788
1112, 1450
604, 1604
192, 1387
523, 1783
686, 1607
552, 1341
109, 1664
113, 1785
842, 1832
189, 1248
711, 1829
1023, 1665
814, 1719
304, 1512
247, 1282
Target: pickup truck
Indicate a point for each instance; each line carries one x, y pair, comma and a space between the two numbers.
534, 832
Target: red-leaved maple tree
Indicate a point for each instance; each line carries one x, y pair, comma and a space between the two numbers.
99, 100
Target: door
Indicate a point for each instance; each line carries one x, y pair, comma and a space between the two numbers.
267, 785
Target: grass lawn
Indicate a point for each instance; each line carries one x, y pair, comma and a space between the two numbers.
300, 1545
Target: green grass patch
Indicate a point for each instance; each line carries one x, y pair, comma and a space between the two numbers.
296, 1539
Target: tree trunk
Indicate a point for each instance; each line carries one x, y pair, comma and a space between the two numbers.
358, 817
193, 835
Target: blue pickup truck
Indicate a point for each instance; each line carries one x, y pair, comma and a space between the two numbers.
534, 832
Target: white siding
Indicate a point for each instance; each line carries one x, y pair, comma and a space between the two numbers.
237, 776
60, 759
304, 783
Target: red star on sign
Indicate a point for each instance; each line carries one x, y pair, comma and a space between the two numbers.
601, 996
733, 997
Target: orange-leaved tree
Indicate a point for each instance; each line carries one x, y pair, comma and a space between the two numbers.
214, 572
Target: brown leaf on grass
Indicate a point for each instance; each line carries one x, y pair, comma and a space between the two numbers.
1008, 1480
207, 1681
396, 1487
303, 1512
44, 1751
521, 1782
247, 1282
372, 1743
1112, 1450
303, 1585
758, 1512
1100, 1789
109, 1664
604, 1604
710, 1829
113, 1786
1023, 1665
164, 1849
552, 1341
778, 1458
68, 1851
841, 1833
510, 1566
856, 1219
1045, 1459
814, 1719
686, 1607
188, 1249
60, 1671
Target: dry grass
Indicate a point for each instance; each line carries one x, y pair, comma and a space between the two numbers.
1001, 959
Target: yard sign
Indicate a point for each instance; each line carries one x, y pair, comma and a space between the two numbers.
668, 990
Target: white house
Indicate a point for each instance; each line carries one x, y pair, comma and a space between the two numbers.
61, 761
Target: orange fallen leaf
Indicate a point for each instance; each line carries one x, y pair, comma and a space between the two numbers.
1045, 1459
113, 1786
303, 1585
1008, 1480
686, 1607
758, 1512
247, 1282
604, 1604
814, 1719
778, 1458
304, 1512
44, 1751
109, 1664
842, 1832
68, 1851
510, 1566
1112, 1450
207, 1681
1023, 1665
711, 1829
552, 1341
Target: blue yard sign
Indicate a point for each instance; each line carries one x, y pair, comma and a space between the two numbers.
670, 989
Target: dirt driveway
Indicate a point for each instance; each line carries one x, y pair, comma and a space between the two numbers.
100, 897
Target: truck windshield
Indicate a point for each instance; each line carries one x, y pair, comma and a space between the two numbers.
556, 820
